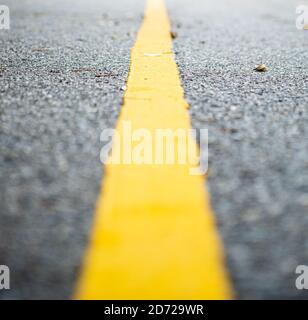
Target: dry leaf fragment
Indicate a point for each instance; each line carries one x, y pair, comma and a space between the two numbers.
261, 68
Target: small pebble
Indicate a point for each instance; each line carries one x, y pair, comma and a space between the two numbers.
261, 68
173, 34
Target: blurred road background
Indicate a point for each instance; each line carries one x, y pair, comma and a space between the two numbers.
63, 67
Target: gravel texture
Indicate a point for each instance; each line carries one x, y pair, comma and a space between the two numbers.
62, 67
258, 132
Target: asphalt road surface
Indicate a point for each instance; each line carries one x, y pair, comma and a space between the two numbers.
63, 67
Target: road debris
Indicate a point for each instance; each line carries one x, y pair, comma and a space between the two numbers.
104, 74
152, 54
173, 34
54, 71
261, 68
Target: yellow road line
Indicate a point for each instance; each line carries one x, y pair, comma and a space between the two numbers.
154, 235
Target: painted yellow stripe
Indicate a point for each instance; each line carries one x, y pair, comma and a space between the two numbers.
154, 234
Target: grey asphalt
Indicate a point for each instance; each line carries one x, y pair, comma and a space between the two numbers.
258, 132
63, 66
53, 109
